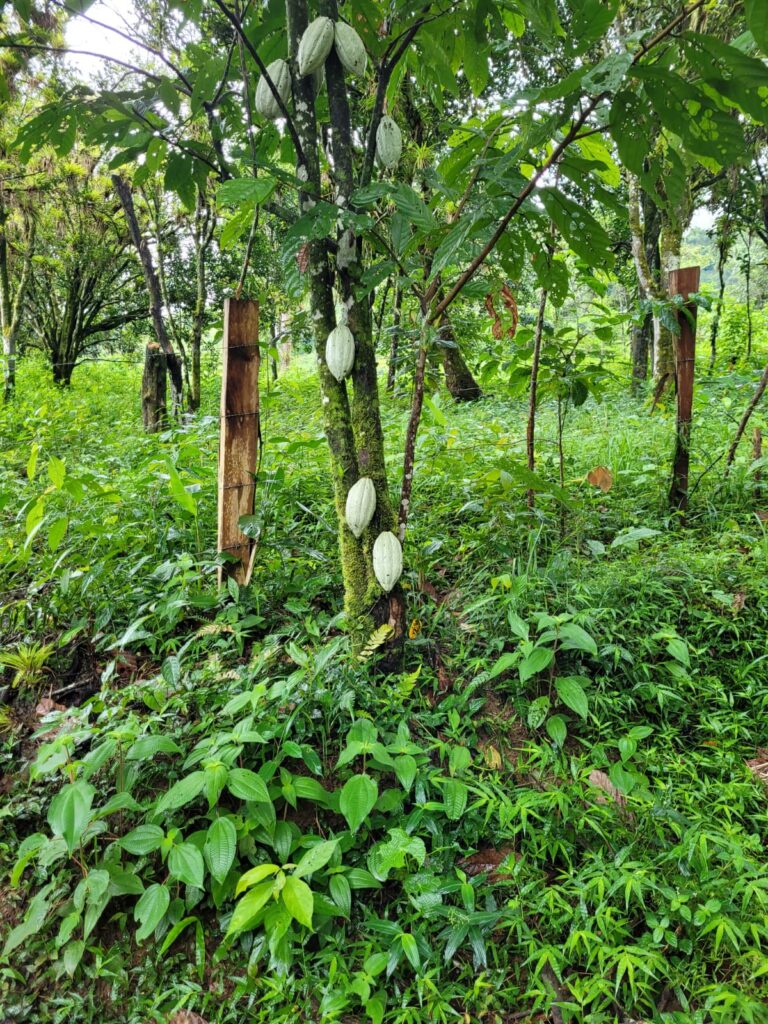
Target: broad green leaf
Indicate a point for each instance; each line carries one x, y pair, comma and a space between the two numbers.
315, 858
70, 812
390, 854
586, 237
220, 847
539, 659
574, 638
249, 906
246, 190
142, 840
298, 899
185, 862
150, 909
56, 471
147, 746
455, 795
182, 792
255, 875
537, 712
56, 532
629, 538
411, 950
557, 729
757, 21
341, 893
571, 693
247, 785
405, 770
357, 799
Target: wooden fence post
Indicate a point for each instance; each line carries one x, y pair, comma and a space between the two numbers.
239, 433
683, 282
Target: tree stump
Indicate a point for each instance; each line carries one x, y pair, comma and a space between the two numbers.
153, 388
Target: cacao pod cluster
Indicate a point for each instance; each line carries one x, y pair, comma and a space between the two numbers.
387, 551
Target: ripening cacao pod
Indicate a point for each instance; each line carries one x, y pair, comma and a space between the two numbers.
350, 48
315, 45
266, 104
361, 504
387, 560
340, 352
389, 142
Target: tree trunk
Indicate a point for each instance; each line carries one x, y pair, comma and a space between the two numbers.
204, 228
11, 307
458, 377
722, 258
153, 388
530, 432
153, 289
352, 421
394, 342
642, 342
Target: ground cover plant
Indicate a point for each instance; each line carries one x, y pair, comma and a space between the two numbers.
488, 742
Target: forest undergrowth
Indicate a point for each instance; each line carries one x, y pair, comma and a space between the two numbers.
553, 811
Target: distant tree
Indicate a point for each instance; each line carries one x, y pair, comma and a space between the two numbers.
85, 282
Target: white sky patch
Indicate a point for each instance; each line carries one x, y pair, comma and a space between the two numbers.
83, 35
703, 218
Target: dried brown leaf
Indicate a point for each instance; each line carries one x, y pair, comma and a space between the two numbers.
601, 477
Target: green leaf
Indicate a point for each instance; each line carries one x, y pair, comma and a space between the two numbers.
405, 770
539, 659
70, 812
182, 792
537, 712
298, 900
629, 538
757, 21
247, 785
586, 237
56, 471
679, 650
315, 858
413, 207
179, 178
390, 854
185, 862
254, 875
147, 746
220, 847
341, 893
56, 532
150, 909
248, 907
503, 663
455, 794
142, 840
246, 190
574, 638
357, 799
72, 954
571, 693
557, 729
411, 950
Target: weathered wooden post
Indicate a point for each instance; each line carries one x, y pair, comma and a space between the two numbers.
683, 282
239, 433
153, 388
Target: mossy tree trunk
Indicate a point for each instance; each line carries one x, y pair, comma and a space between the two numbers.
350, 408
11, 304
458, 377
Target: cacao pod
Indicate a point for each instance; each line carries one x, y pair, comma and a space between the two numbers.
350, 48
315, 45
266, 104
340, 352
387, 560
361, 504
389, 142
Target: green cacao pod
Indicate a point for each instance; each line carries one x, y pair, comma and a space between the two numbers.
350, 48
266, 104
387, 560
389, 142
315, 45
340, 352
361, 504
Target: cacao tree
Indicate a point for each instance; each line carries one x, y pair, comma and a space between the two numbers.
352, 223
